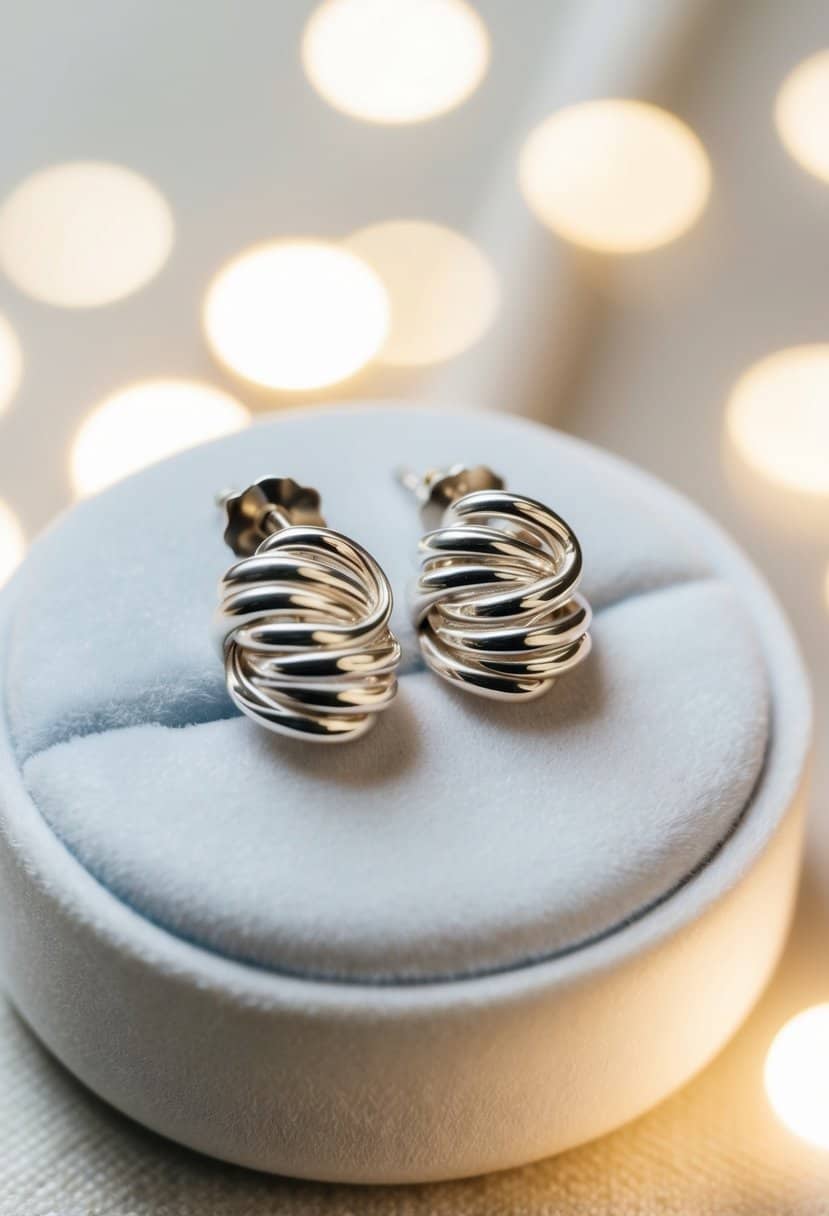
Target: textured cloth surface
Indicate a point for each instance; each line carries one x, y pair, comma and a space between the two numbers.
714, 1149
564, 846
386, 860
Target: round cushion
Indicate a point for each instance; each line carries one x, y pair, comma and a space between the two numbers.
463, 835
461, 838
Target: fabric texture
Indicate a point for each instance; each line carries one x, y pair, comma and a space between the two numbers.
462, 836
713, 1149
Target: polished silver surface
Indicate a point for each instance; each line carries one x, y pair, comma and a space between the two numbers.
496, 605
303, 619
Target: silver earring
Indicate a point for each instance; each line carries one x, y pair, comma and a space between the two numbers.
303, 618
496, 605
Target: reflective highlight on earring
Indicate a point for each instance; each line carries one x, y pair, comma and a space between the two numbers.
496, 605
303, 618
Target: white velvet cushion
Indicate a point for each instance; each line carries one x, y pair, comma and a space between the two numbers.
460, 836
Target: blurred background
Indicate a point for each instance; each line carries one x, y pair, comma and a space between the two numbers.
609, 215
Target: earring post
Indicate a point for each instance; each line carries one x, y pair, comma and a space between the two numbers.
407, 478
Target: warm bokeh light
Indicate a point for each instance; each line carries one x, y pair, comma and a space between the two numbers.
802, 114
145, 422
12, 542
296, 314
395, 61
797, 1075
616, 176
11, 363
778, 417
83, 234
442, 290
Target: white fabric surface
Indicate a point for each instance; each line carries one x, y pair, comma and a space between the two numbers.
714, 1149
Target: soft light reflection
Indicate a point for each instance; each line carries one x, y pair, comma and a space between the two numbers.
83, 234
616, 176
296, 314
442, 290
12, 542
778, 417
395, 61
802, 114
797, 1075
145, 422
11, 363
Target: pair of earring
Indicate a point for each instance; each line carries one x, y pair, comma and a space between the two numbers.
303, 619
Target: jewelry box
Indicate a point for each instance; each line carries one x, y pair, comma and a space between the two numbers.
479, 935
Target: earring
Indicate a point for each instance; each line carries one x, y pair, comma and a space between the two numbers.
303, 618
496, 605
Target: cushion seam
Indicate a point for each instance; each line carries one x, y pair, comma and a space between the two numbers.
368, 979
522, 963
414, 666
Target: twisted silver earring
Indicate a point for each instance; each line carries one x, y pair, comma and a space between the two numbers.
496, 605
303, 618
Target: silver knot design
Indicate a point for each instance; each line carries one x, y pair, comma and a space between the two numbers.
303, 625
496, 604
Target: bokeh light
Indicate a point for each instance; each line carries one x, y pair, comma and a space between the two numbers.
797, 1075
616, 176
296, 314
778, 417
145, 422
12, 542
442, 290
801, 113
11, 363
395, 61
83, 234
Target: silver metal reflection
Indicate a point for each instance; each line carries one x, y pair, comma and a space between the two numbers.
496, 605
303, 618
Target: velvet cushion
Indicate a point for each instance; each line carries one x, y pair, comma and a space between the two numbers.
460, 836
